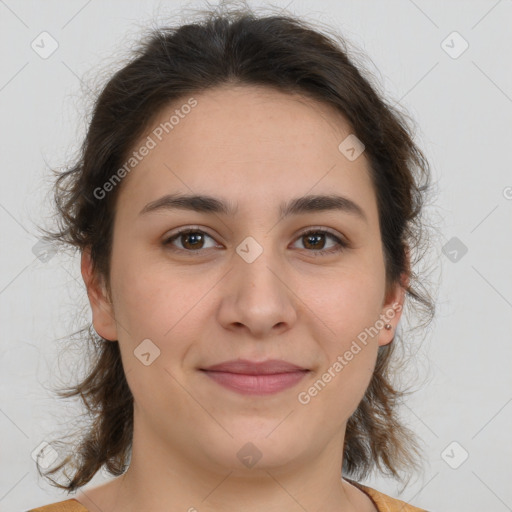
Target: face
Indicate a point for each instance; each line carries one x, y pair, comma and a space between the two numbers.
249, 284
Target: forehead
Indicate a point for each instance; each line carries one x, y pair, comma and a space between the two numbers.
246, 143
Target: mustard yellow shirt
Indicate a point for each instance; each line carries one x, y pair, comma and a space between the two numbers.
382, 502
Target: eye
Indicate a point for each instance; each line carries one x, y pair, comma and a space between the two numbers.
193, 240
316, 238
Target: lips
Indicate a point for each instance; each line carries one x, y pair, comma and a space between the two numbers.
255, 368
256, 378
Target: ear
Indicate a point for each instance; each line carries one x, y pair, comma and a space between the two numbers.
103, 318
393, 305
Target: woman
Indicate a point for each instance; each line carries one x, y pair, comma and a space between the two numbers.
246, 207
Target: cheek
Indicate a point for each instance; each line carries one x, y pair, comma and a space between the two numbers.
149, 308
349, 349
149, 300
338, 389
164, 307
350, 310
348, 304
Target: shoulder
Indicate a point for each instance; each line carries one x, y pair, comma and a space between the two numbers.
385, 503
71, 505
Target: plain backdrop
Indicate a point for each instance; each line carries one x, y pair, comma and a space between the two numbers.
448, 64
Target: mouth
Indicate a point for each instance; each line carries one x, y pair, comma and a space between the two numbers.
256, 378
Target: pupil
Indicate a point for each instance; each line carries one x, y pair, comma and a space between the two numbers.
192, 236
310, 237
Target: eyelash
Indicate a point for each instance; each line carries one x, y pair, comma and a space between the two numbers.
341, 244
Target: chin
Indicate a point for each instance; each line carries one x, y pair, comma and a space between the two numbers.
253, 447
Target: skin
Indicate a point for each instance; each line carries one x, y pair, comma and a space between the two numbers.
204, 308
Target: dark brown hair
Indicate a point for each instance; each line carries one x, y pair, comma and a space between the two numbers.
280, 51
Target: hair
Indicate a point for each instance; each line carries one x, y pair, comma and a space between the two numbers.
237, 47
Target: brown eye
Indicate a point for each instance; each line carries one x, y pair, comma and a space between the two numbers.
315, 241
191, 240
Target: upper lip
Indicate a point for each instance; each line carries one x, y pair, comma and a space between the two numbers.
244, 366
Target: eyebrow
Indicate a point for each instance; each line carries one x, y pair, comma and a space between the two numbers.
297, 206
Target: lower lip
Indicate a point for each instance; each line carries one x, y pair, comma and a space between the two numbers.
256, 384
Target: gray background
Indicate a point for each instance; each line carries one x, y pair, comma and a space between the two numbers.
463, 110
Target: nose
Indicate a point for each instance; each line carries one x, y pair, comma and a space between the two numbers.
257, 297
